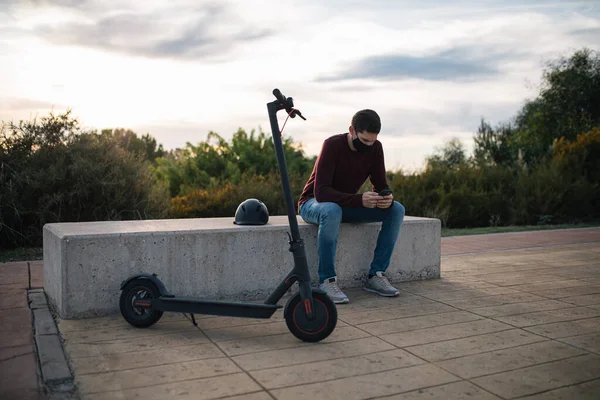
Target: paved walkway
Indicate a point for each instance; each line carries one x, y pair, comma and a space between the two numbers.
18, 363
499, 325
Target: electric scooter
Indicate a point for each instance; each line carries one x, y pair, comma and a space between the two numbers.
310, 314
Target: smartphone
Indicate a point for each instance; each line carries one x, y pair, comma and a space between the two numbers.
385, 192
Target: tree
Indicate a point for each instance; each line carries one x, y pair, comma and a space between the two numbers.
494, 146
215, 161
53, 171
568, 104
145, 145
452, 155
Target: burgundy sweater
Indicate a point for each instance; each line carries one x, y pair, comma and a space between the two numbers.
339, 173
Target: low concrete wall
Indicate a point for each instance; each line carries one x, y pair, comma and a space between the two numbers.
84, 263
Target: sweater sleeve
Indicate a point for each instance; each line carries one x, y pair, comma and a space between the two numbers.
324, 192
377, 173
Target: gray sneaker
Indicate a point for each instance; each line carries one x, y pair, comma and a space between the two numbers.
379, 284
332, 289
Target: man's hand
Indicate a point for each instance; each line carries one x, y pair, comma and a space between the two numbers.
385, 201
370, 199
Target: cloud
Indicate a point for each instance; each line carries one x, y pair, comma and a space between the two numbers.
456, 64
210, 31
25, 104
588, 33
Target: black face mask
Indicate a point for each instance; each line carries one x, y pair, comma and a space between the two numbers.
360, 146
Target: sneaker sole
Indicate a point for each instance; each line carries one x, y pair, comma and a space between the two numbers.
380, 293
341, 301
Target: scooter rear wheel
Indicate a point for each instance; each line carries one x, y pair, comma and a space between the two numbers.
319, 327
139, 289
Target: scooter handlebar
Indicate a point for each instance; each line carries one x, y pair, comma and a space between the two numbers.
287, 103
279, 96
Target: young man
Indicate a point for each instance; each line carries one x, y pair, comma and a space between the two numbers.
331, 197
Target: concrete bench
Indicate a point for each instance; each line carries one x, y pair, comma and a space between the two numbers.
84, 263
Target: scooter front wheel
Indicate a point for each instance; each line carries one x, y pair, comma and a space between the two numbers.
139, 290
317, 329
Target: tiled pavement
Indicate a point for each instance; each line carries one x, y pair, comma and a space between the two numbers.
498, 325
18, 365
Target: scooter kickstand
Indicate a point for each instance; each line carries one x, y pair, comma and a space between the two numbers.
194, 320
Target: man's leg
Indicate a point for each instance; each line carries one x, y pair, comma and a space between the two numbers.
328, 217
392, 219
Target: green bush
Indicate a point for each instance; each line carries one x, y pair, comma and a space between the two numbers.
223, 200
52, 171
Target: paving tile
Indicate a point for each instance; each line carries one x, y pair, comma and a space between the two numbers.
18, 368
249, 331
569, 291
13, 299
477, 302
306, 354
445, 332
126, 332
198, 389
285, 341
437, 286
520, 278
334, 369
113, 322
380, 303
545, 317
567, 328
582, 391
451, 391
223, 322
509, 359
512, 267
589, 342
558, 284
145, 358
176, 339
581, 272
520, 308
470, 293
592, 281
37, 275
472, 345
395, 313
422, 321
15, 327
148, 376
14, 274
542, 377
13, 318
22, 394
250, 396
369, 386
585, 300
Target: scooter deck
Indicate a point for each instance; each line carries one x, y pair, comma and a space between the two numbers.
215, 307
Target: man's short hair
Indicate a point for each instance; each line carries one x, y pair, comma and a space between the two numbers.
366, 120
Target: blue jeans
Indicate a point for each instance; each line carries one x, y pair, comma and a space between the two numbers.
328, 217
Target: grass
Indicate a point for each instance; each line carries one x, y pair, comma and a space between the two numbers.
36, 253
22, 254
504, 229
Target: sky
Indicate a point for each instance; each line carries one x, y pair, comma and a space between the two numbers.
177, 69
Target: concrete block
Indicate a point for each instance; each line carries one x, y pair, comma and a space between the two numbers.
44, 323
37, 300
53, 363
85, 263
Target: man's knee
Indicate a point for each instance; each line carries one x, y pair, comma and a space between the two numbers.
330, 212
398, 209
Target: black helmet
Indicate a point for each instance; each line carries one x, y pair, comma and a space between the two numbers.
251, 212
